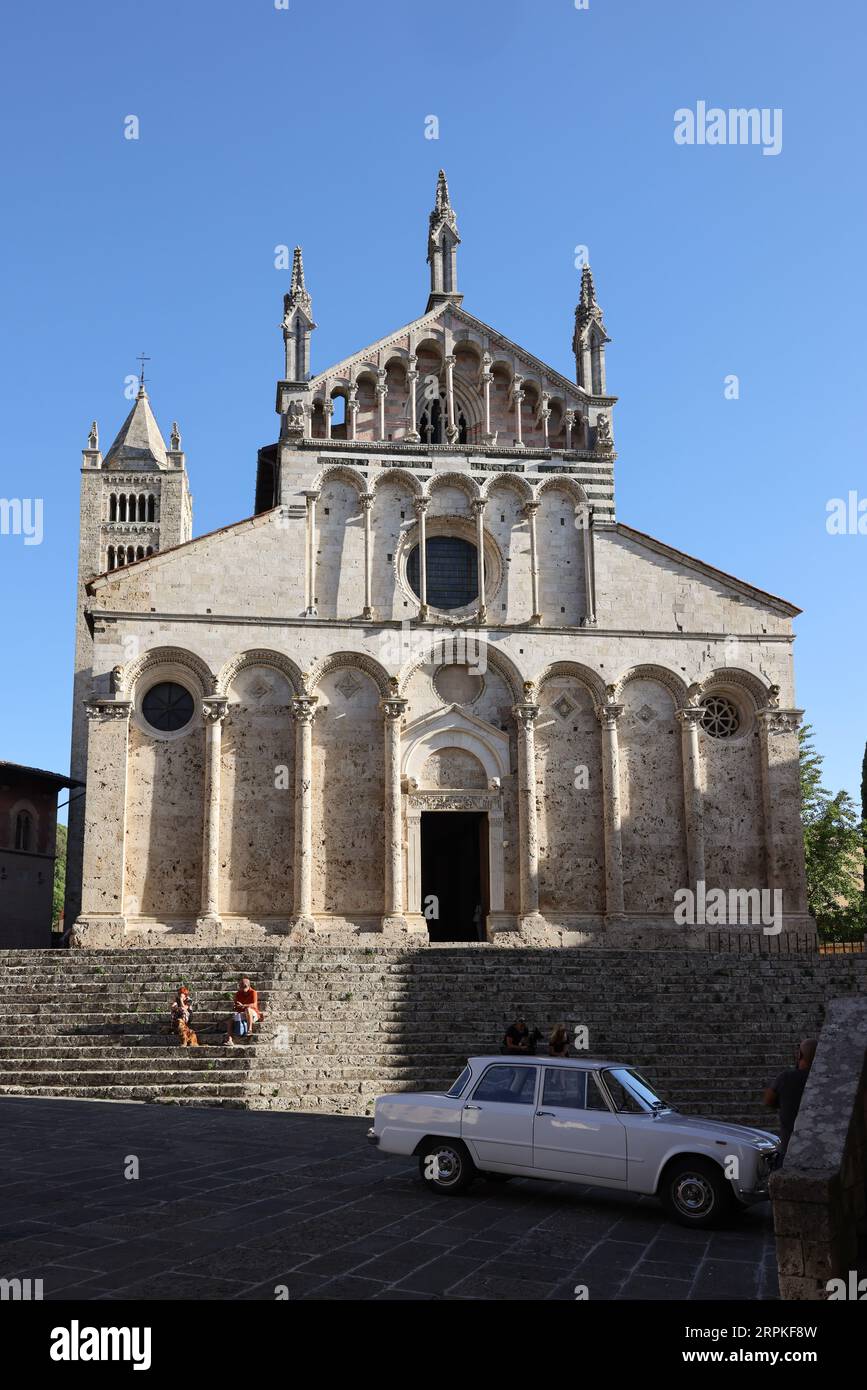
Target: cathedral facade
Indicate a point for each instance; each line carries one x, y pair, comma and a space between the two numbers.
432, 689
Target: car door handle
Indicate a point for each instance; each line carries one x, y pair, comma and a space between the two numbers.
549, 1113
472, 1107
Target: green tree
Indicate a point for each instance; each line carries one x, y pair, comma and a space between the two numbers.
59, 875
833, 848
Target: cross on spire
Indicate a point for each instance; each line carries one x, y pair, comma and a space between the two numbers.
142, 358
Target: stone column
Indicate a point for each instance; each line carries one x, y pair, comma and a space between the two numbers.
545, 415
608, 716
412, 434
102, 921
304, 710
526, 715
584, 522
393, 709
352, 407
381, 393
693, 800
414, 904
496, 858
479, 514
517, 397
367, 505
421, 506
327, 411
784, 836
214, 711
530, 510
569, 421
487, 377
452, 431
312, 499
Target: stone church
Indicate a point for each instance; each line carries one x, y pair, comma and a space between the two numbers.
433, 688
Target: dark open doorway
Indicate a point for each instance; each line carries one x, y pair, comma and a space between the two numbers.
454, 874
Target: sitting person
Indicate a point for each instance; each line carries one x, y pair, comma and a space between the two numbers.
519, 1038
558, 1043
182, 1017
247, 1006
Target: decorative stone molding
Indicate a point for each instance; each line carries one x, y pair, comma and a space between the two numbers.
608, 714
418, 801
358, 661
393, 708
590, 679
259, 656
166, 656
672, 682
214, 709
763, 696
304, 708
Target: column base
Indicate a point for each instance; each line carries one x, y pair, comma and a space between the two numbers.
402, 929
97, 933
302, 931
367, 614
482, 616
533, 926
209, 930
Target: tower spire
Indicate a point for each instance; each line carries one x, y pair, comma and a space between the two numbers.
442, 243
297, 322
589, 338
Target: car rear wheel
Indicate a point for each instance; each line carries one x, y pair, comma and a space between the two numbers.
694, 1192
445, 1166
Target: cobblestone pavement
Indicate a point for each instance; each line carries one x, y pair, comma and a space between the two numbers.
232, 1204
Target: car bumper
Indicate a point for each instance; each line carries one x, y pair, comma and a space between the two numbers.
373, 1138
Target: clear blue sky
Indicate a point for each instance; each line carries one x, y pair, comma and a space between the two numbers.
261, 126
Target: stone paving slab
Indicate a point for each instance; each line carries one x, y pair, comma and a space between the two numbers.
233, 1204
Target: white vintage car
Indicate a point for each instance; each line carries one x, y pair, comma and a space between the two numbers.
580, 1121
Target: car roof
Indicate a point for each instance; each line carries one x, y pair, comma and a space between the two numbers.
588, 1063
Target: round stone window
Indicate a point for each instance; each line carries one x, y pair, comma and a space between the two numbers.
167, 707
452, 572
721, 718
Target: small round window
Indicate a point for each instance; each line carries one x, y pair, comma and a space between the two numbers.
167, 707
721, 718
452, 572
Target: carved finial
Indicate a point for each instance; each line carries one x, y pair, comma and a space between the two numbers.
93, 437
297, 289
142, 358
176, 437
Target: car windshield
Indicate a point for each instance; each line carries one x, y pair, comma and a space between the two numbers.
461, 1082
631, 1093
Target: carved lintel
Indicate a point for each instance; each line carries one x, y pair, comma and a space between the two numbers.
108, 709
780, 721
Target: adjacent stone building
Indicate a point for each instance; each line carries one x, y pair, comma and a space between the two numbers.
28, 833
433, 687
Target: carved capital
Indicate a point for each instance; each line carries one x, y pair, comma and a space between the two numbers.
691, 716
526, 715
608, 715
393, 708
328, 405
367, 500
214, 709
780, 721
304, 708
479, 504
530, 509
108, 709
421, 505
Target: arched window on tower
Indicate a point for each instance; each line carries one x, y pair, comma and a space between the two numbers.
142, 507
120, 556
122, 506
150, 550
112, 507
131, 507
24, 832
111, 557
139, 555
152, 507
130, 555
463, 429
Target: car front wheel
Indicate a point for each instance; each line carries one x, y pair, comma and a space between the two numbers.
446, 1166
695, 1193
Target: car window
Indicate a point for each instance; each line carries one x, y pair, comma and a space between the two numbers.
595, 1098
625, 1102
565, 1087
508, 1085
459, 1085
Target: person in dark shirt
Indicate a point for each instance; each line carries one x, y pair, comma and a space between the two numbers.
519, 1038
786, 1092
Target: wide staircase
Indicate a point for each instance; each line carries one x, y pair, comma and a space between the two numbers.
344, 1025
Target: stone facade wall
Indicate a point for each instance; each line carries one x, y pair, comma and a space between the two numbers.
651, 792
257, 825
164, 807
569, 800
